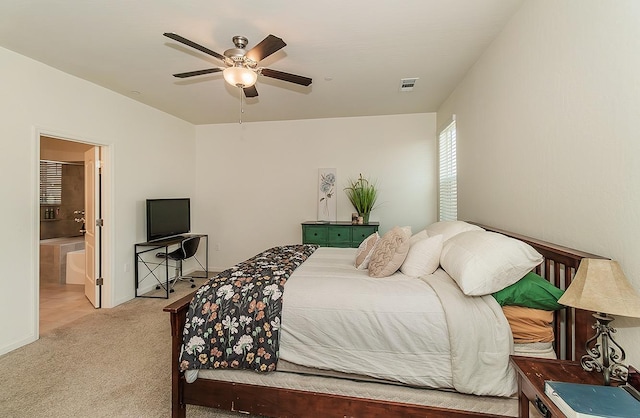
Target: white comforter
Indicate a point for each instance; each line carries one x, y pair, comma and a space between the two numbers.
420, 332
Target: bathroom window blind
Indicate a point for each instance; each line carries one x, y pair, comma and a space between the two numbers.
448, 174
50, 183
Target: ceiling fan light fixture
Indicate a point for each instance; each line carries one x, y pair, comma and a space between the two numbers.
240, 76
241, 65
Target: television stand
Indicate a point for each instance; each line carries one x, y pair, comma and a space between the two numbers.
152, 267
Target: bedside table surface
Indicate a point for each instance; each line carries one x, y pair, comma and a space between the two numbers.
538, 370
532, 373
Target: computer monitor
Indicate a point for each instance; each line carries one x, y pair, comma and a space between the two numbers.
168, 217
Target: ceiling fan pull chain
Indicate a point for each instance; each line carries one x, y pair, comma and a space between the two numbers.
241, 109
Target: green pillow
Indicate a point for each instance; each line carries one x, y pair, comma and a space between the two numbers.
532, 291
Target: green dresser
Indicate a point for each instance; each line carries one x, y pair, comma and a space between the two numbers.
336, 234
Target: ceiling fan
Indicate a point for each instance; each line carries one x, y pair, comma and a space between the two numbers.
241, 65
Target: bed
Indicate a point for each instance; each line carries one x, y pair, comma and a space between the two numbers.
305, 386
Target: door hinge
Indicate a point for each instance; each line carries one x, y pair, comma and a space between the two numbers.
99, 281
99, 222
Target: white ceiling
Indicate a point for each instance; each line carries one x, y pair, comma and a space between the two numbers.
356, 51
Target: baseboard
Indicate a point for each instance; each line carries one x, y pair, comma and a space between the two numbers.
8, 348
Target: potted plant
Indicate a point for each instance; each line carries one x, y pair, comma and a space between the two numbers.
363, 195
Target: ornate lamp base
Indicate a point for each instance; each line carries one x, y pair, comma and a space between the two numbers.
603, 357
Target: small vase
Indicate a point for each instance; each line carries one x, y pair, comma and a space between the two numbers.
365, 217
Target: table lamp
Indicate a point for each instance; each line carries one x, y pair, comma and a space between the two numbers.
600, 286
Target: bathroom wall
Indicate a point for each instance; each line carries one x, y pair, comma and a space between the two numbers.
63, 224
72, 154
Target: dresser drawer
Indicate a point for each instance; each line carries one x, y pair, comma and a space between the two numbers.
315, 234
359, 233
340, 236
336, 234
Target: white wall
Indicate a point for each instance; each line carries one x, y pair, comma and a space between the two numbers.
151, 155
548, 124
256, 182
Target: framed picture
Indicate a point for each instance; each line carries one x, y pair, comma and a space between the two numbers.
327, 199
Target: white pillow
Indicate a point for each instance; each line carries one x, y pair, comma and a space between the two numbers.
418, 237
365, 249
423, 257
483, 262
449, 229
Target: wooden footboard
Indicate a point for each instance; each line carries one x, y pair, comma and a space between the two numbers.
572, 328
178, 311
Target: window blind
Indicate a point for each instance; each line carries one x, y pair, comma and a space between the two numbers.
448, 174
50, 183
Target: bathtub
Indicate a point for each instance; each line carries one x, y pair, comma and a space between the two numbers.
75, 267
53, 258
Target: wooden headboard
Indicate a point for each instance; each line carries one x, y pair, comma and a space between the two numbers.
559, 267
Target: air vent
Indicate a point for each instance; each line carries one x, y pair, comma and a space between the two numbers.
406, 84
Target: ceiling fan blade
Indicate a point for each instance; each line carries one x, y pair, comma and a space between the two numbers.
192, 44
250, 91
266, 47
291, 78
198, 72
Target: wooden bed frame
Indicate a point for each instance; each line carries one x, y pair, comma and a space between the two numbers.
572, 329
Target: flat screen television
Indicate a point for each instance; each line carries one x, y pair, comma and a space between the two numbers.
168, 217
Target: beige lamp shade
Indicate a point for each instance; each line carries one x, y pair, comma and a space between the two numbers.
601, 286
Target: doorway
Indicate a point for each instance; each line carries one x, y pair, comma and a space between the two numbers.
65, 259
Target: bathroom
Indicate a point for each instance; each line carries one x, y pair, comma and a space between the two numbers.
61, 224
62, 258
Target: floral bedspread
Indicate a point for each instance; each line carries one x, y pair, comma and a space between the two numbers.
234, 319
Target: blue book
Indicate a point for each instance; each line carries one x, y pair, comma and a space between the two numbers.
585, 401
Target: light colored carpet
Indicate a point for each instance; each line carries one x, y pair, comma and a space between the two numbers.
111, 363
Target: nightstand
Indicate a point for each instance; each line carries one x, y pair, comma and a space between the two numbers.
532, 372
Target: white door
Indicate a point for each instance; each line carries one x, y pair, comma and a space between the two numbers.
92, 235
